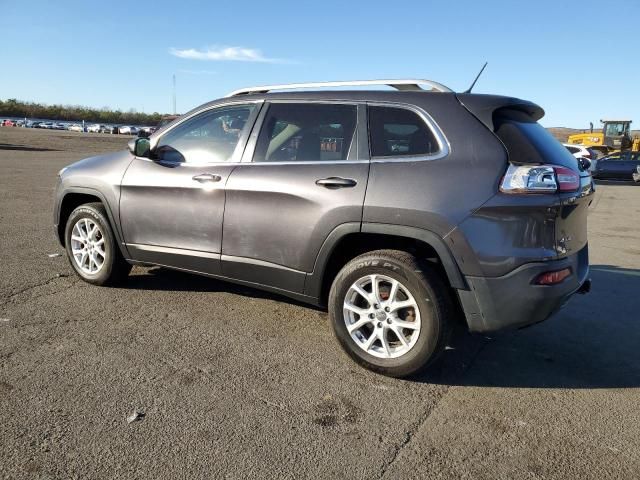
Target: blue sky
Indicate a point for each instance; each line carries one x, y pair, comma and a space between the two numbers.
573, 58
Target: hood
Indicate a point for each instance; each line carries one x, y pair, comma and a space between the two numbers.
97, 172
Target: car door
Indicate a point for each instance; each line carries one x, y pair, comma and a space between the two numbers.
635, 165
624, 166
628, 167
621, 166
172, 204
607, 167
305, 173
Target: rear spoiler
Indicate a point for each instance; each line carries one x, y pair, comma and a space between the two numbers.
483, 107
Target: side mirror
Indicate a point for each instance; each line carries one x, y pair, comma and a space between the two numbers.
585, 164
140, 147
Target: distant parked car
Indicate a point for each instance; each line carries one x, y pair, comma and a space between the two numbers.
617, 166
127, 130
580, 151
47, 125
108, 129
8, 123
75, 128
166, 120
95, 128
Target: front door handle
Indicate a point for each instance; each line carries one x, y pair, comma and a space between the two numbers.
336, 182
207, 178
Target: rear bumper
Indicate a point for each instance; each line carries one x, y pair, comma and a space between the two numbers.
512, 301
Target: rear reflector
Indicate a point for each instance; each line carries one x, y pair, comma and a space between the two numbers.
551, 278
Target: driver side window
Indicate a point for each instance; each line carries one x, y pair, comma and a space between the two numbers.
619, 156
210, 137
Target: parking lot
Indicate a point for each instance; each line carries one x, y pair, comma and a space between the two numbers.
239, 383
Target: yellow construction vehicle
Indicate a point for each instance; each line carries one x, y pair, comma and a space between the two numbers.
615, 135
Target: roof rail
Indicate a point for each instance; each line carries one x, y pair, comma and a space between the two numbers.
405, 85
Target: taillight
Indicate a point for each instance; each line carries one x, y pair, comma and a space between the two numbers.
539, 179
568, 180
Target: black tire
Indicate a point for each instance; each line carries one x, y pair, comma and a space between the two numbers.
432, 298
115, 268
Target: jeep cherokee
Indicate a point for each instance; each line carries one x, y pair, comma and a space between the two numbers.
397, 210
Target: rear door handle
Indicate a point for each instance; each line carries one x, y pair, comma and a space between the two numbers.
207, 178
336, 182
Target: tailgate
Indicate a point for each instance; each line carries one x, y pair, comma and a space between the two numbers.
571, 219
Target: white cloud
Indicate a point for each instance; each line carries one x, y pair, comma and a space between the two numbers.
215, 53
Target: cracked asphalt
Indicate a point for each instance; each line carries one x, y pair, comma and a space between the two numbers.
236, 383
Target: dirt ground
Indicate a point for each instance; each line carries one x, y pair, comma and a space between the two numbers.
236, 383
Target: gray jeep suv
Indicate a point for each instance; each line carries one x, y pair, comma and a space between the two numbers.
400, 211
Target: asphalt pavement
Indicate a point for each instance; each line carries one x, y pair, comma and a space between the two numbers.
237, 383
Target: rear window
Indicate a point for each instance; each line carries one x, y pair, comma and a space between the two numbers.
528, 142
398, 132
306, 133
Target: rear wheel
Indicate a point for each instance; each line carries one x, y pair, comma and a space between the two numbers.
91, 246
390, 312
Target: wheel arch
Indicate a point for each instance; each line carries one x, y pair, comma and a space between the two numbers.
352, 239
73, 198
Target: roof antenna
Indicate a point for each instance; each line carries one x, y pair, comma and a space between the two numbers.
477, 77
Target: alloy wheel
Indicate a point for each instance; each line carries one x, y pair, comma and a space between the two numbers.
382, 316
87, 246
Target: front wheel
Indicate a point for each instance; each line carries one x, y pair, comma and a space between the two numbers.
390, 312
91, 246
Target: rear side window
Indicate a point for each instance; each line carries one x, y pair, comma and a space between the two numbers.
395, 132
619, 156
306, 133
528, 142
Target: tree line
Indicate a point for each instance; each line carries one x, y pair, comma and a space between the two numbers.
17, 108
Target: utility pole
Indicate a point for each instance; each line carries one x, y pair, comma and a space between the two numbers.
174, 93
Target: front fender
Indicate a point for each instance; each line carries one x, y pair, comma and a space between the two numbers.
114, 218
